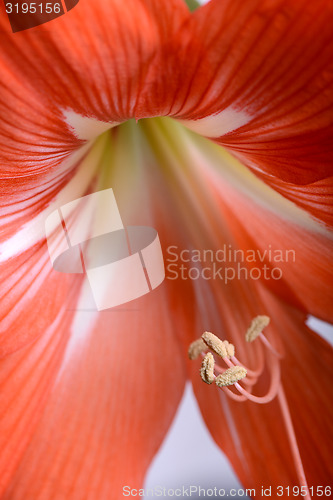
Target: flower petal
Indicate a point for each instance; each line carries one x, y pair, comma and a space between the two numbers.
26, 380
258, 79
117, 392
295, 251
33, 293
89, 63
223, 204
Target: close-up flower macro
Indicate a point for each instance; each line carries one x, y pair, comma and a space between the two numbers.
166, 222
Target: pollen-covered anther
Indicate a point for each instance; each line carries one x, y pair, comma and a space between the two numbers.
196, 348
230, 376
230, 348
207, 368
215, 344
256, 327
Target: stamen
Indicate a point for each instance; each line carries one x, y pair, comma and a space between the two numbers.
269, 346
215, 344
260, 365
219, 370
230, 349
237, 371
230, 376
274, 369
196, 348
256, 327
207, 368
293, 442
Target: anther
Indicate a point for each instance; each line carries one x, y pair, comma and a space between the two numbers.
230, 376
196, 348
207, 368
230, 349
256, 327
215, 344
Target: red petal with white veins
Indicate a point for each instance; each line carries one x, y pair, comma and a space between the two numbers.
118, 389
61, 78
26, 380
217, 192
32, 291
32, 297
258, 81
274, 233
